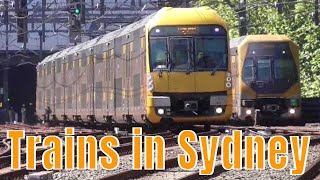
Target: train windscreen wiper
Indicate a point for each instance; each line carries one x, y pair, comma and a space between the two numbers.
168, 61
189, 61
218, 66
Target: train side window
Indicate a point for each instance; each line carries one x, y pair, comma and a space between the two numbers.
70, 64
99, 58
83, 61
49, 69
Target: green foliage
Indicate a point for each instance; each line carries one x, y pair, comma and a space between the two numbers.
296, 21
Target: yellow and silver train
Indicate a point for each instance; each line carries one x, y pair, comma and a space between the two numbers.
266, 82
172, 66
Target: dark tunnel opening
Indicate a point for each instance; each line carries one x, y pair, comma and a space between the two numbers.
22, 90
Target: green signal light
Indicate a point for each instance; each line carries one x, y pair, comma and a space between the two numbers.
77, 11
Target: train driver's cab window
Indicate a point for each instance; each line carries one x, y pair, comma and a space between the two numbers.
158, 53
284, 66
283, 69
263, 69
248, 69
210, 53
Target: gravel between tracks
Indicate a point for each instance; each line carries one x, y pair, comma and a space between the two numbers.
176, 173
125, 164
268, 173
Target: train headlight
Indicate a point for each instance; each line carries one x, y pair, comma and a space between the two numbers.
219, 110
149, 82
292, 111
248, 112
160, 111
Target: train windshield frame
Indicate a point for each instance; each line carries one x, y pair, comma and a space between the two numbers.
188, 48
270, 62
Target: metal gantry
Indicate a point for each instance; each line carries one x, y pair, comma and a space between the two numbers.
32, 29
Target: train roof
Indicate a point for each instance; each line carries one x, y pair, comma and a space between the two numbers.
236, 42
96, 41
191, 16
165, 16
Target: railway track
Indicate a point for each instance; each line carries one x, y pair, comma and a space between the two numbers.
220, 170
169, 163
125, 149
4, 147
173, 171
312, 172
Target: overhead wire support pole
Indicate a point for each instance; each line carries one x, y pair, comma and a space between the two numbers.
242, 13
6, 64
43, 11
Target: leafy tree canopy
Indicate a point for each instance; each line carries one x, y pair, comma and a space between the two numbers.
296, 21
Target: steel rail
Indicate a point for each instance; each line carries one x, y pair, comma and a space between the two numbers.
219, 169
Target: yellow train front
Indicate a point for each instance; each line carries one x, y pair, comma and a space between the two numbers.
187, 67
171, 66
266, 84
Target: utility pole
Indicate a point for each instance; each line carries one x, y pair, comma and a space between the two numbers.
280, 6
6, 63
316, 12
187, 3
102, 11
242, 13
41, 45
43, 11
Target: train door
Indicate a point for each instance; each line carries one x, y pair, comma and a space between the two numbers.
49, 81
263, 71
64, 69
98, 85
90, 83
69, 87
83, 86
127, 76
181, 50
58, 86
109, 93
75, 86
142, 62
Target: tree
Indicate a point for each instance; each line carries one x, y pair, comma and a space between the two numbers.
296, 20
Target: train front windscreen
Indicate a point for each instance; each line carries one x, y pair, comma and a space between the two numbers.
269, 67
188, 48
